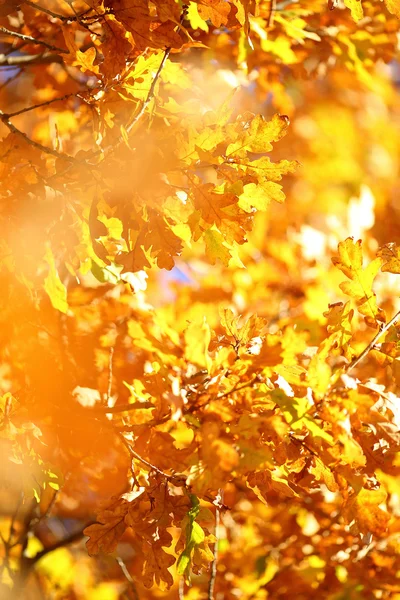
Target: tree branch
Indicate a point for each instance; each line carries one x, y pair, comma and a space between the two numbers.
28, 38
368, 348
74, 537
24, 110
122, 408
11, 79
4, 119
133, 453
128, 577
64, 18
213, 576
150, 94
29, 59
271, 15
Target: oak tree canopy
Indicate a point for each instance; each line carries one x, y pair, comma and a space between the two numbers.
200, 282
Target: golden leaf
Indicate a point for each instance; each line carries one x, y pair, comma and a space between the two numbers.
350, 262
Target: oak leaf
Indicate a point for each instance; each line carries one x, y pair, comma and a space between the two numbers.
365, 509
157, 562
390, 255
356, 9
105, 536
258, 136
393, 7
216, 11
350, 262
53, 285
115, 47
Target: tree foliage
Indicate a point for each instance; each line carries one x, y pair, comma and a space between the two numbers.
200, 266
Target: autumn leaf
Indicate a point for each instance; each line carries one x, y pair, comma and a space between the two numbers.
365, 509
156, 563
104, 536
393, 7
390, 255
215, 246
215, 11
350, 262
194, 536
207, 379
356, 9
53, 285
197, 339
258, 137
84, 60
8, 6
116, 47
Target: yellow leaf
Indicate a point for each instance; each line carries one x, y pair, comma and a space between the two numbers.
215, 248
260, 196
216, 11
84, 60
258, 137
356, 9
195, 20
350, 262
53, 285
390, 254
365, 509
197, 339
157, 562
393, 6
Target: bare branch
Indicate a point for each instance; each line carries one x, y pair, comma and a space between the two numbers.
28, 38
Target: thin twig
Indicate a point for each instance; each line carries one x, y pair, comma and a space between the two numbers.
37, 145
271, 15
110, 374
28, 108
181, 589
368, 348
150, 94
74, 537
49, 12
213, 576
238, 388
13, 519
29, 59
128, 576
121, 407
11, 79
133, 453
32, 40
13, 48
136, 118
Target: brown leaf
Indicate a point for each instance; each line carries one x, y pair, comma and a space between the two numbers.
157, 562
